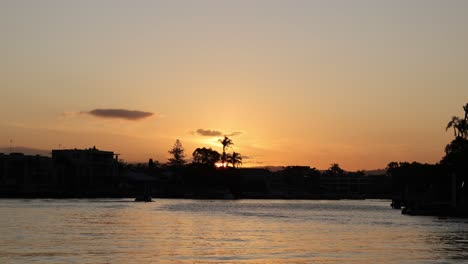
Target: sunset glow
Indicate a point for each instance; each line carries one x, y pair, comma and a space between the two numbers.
221, 164
309, 83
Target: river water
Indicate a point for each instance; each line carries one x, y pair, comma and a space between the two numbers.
224, 231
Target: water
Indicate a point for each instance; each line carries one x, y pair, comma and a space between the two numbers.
205, 231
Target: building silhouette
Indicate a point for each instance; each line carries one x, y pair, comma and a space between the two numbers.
25, 174
89, 172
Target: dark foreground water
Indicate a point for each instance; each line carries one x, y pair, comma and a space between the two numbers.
244, 231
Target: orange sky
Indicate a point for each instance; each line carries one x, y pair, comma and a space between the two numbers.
303, 82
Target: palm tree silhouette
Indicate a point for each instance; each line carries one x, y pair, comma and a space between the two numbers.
235, 159
460, 126
455, 122
226, 142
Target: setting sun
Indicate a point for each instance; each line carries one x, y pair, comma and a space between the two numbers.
221, 164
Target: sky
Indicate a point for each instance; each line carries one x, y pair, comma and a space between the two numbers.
359, 83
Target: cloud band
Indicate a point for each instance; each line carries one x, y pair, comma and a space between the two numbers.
120, 113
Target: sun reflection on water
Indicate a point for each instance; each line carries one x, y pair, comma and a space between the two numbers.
190, 231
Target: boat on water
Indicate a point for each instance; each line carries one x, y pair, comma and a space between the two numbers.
144, 198
396, 204
428, 208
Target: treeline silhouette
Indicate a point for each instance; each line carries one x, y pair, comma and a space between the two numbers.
217, 175
435, 189
203, 181
210, 174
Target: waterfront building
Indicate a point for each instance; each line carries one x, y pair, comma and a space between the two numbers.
25, 174
86, 172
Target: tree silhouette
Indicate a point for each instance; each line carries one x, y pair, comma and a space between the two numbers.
235, 159
465, 108
178, 154
463, 127
459, 125
205, 156
335, 168
453, 124
456, 157
457, 151
226, 142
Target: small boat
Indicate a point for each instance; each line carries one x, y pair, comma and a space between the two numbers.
144, 198
396, 204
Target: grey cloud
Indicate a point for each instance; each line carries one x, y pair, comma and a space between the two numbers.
233, 134
214, 133
120, 113
209, 133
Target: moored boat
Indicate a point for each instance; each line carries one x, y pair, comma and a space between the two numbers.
144, 198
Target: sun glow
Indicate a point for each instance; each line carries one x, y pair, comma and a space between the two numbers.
221, 164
